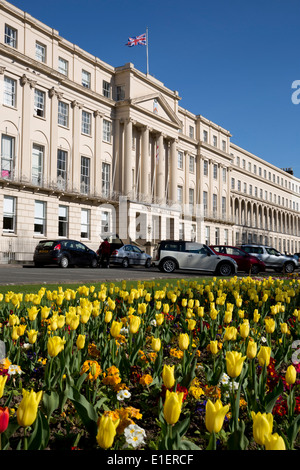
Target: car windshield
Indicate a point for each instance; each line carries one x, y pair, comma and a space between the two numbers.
46, 244
272, 251
253, 249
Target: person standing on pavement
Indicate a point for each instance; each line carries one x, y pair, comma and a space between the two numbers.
104, 252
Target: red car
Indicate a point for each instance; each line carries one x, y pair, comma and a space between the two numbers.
245, 262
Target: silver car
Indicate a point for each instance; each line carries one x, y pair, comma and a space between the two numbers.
129, 255
272, 258
171, 255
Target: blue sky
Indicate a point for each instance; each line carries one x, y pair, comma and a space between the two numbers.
231, 61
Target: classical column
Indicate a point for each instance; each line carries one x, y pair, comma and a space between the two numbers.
210, 187
76, 132
24, 168
127, 188
52, 165
144, 170
173, 172
97, 153
160, 170
186, 180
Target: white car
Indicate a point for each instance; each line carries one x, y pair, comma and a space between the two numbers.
272, 258
171, 255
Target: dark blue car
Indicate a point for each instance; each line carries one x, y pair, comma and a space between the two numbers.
64, 253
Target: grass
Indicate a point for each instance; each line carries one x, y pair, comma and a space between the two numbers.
33, 288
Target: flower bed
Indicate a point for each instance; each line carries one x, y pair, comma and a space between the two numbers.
192, 365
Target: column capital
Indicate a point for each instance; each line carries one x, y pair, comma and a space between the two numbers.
2, 70
24, 80
76, 104
54, 92
98, 113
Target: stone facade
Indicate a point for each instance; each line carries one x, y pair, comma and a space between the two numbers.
90, 150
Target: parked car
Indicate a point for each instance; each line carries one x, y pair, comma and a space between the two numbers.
171, 255
129, 255
64, 253
272, 258
245, 261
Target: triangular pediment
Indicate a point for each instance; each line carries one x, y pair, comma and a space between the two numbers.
156, 104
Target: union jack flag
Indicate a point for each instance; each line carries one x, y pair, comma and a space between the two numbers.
141, 39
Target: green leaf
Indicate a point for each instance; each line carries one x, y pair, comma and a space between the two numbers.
237, 439
85, 410
181, 427
40, 436
50, 403
271, 398
293, 430
188, 445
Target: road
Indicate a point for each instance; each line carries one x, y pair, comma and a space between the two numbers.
17, 274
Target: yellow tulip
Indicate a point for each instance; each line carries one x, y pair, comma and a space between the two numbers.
115, 328
53, 322
274, 442
166, 308
270, 325
262, 426
15, 334
108, 316
134, 324
172, 406
13, 320
142, 308
184, 341
168, 376
21, 329
32, 313
55, 345
251, 349
191, 324
228, 316
284, 328
156, 344
200, 312
290, 375
264, 355
230, 333
106, 431
256, 316
61, 320
27, 410
3, 379
184, 302
213, 346
244, 329
85, 315
214, 415
80, 342
159, 318
234, 363
32, 336
74, 321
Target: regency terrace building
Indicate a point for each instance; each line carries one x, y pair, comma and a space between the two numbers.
90, 150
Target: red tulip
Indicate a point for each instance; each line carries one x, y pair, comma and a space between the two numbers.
4, 418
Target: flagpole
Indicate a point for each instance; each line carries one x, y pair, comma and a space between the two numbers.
147, 50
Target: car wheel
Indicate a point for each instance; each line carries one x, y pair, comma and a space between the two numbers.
289, 267
125, 263
168, 265
94, 263
64, 262
254, 269
225, 269
148, 263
